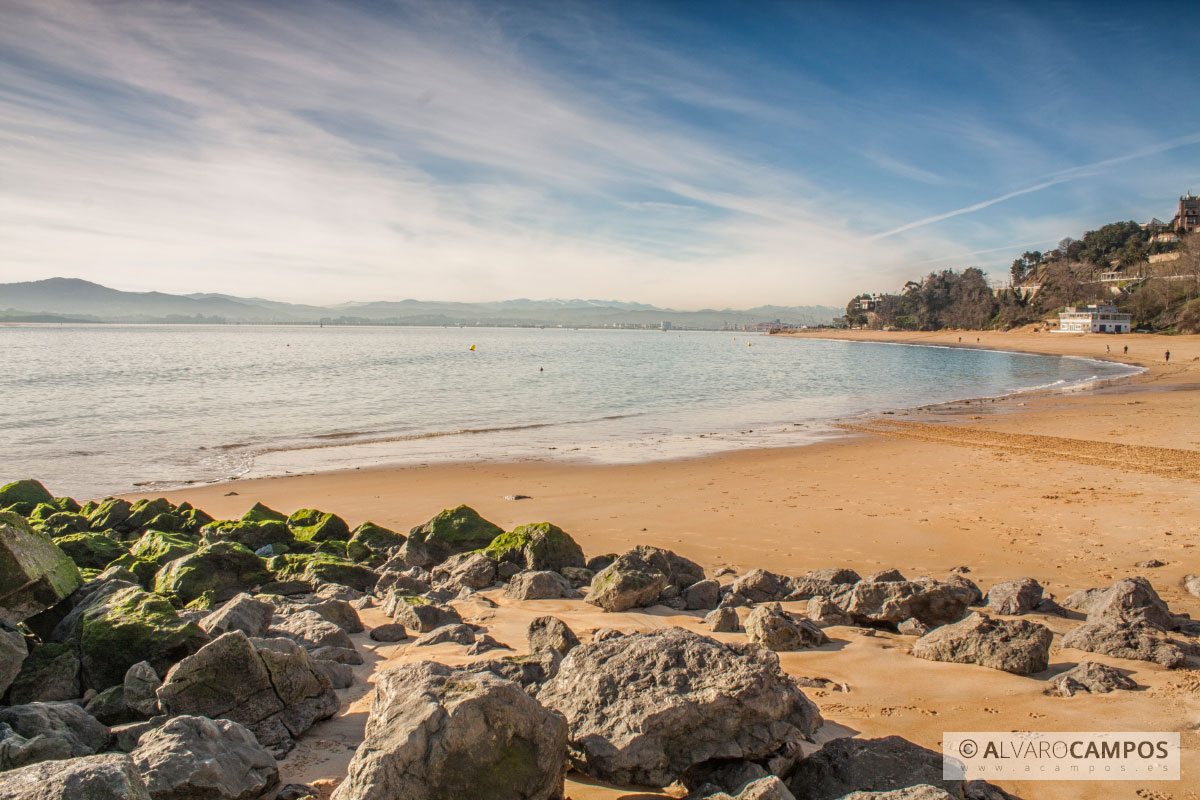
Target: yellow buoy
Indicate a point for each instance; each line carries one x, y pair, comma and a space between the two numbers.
472, 348
749, 343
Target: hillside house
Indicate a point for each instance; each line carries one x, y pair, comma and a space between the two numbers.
1094, 319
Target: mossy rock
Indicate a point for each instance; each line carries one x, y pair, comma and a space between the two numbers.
35, 573
251, 535
540, 546
260, 513
43, 511
331, 547
131, 626
90, 550
159, 547
63, 523
143, 511
455, 530
311, 525
110, 514
89, 508
168, 522
193, 518
69, 505
202, 603
360, 553
223, 568
24, 496
143, 570
377, 538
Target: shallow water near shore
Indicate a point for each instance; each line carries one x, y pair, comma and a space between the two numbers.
102, 409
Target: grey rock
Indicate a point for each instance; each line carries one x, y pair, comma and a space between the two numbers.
271, 686
339, 612
551, 635
419, 614
109, 708
530, 671
1082, 600
341, 676
604, 634
334, 591
578, 577
775, 629
824, 613
241, 613
1137, 640
912, 627
485, 644
702, 595
538, 585
437, 732
638, 577
1016, 646
891, 602
196, 758
509, 568
389, 632
598, 563
843, 766
966, 587
311, 631
341, 655
364, 602
825, 582
1091, 677
768, 787
1192, 584
111, 776
921, 792
13, 652
124, 738
141, 689
1129, 601
1014, 597
456, 633
645, 708
64, 729
761, 586
469, 570
1152, 563
34, 573
723, 620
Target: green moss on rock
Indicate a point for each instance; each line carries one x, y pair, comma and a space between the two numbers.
260, 513
311, 525
90, 550
110, 514
252, 535
455, 530
159, 547
131, 626
25, 495
540, 546
377, 538
143, 570
35, 574
63, 523
68, 504
143, 511
320, 568
223, 568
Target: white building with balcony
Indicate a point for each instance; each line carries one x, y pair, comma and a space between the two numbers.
1094, 319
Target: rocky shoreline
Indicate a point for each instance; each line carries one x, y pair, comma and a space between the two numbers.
149, 650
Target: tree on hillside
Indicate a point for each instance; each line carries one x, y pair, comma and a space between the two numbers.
1026, 266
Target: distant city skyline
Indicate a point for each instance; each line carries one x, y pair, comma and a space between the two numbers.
685, 154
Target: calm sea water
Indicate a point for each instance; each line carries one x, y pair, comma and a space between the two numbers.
91, 410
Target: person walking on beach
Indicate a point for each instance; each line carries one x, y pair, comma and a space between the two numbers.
1106, 349
1167, 356
1126, 349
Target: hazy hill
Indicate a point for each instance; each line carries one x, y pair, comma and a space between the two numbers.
80, 299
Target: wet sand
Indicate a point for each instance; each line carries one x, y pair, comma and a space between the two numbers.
1072, 489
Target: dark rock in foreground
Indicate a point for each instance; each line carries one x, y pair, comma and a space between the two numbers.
1016, 646
843, 766
112, 776
197, 757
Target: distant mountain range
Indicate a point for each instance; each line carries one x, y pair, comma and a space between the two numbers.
75, 300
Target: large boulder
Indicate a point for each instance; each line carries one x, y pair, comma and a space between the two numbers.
455, 530
1014, 597
117, 629
89, 550
761, 586
1130, 601
270, 685
540, 546
888, 603
311, 631
217, 571
636, 578
251, 535
111, 514
48, 730
140, 689
551, 635
34, 573
50, 673
1016, 646
241, 613
417, 613
645, 708
262, 513
376, 538
161, 547
436, 732
196, 758
775, 629
111, 776
322, 568
843, 766
310, 525
338, 612
702, 595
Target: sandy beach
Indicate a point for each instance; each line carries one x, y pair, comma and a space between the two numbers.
1072, 489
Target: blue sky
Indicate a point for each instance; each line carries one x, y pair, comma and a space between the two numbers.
686, 154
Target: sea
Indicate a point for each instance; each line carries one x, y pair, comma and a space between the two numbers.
92, 410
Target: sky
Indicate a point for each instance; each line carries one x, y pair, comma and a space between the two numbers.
686, 154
